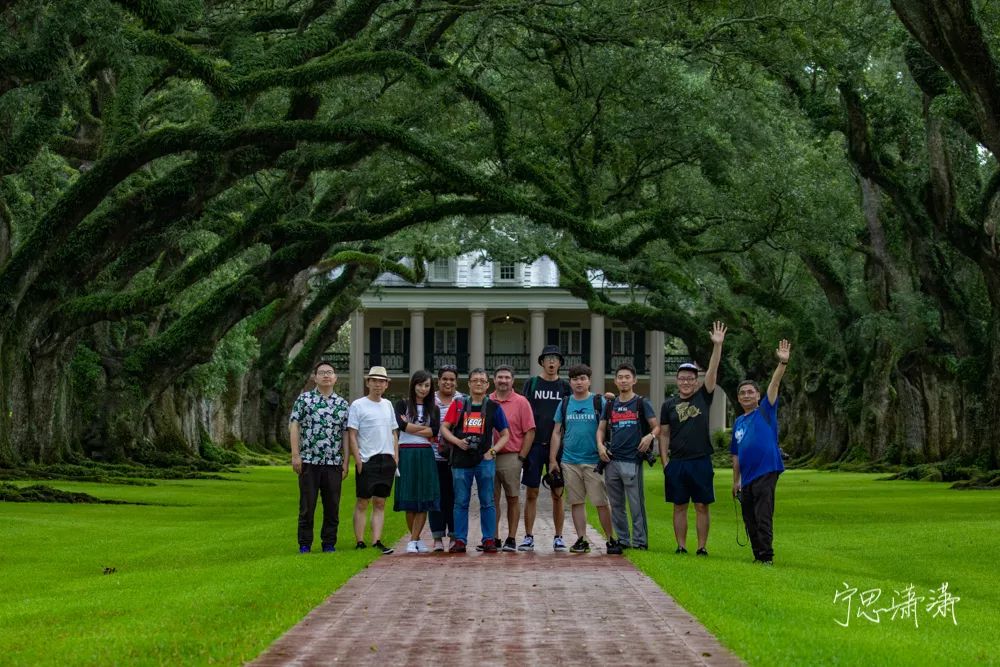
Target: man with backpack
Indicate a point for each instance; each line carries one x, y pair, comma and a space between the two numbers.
574, 437
469, 426
625, 434
544, 392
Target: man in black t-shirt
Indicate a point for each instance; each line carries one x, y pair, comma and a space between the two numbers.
545, 393
686, 445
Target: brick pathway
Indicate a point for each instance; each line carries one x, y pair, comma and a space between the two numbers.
510, 609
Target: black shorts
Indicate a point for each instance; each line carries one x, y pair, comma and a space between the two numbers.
689, 479
376, 478
538, 458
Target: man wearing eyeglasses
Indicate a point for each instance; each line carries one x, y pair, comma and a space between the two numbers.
316, 434
757, 457
686, 446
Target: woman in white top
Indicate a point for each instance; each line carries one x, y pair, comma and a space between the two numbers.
417, 490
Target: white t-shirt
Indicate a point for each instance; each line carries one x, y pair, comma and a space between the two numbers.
410, 439
374, 423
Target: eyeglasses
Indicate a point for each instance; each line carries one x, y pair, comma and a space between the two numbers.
687, 379
324, 374
478, 380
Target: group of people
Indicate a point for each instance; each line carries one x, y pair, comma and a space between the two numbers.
434, 443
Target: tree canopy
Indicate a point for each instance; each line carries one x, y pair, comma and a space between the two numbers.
194, 194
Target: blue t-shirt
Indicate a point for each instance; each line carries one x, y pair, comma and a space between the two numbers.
579, 438
625, 429
755, 442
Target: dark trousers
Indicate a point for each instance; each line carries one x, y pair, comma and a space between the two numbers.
319, 480
443, 522
758, 515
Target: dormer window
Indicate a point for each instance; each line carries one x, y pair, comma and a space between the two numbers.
440, 270
506, 272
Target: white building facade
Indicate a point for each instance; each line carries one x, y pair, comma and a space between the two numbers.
473, 313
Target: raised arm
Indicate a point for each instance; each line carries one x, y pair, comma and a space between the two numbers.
712, 374
783, 352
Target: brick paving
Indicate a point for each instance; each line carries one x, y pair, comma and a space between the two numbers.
505, 608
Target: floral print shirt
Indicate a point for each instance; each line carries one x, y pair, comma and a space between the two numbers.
322, 421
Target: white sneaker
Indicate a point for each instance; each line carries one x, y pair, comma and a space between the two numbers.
411, 547
421, 547
558, 544
527, 544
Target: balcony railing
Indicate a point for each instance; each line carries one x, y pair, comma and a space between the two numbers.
434, 361
341, 361
398, 363
520, 362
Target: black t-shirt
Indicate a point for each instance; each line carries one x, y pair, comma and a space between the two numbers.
545, 397
688, 424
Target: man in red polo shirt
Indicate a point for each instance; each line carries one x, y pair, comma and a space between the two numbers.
511, 458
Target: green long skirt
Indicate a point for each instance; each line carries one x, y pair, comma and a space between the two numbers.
417, 488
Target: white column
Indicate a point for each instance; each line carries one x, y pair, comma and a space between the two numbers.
477, 339
657, 381
416, 339
356, 367
537, 339
597, 353
717, 413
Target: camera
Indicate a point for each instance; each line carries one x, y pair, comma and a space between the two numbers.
649, 456
553, 480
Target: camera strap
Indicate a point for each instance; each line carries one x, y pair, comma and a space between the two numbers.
739, 522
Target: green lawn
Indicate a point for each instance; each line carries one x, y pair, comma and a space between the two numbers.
210, 575
832, 528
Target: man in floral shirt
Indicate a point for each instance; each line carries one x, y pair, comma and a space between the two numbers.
316, 431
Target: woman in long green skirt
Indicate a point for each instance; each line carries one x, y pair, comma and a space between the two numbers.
417, 489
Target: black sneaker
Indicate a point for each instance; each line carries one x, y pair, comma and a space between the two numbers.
385, 550
360, 545
510, 545
680, 550
613, 548
702, 551
581, 546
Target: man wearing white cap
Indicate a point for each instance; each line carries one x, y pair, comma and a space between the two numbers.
686, 446
374, 441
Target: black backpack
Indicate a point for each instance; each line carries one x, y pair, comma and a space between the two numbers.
460, 419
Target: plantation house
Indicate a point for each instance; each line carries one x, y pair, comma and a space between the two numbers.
474, 313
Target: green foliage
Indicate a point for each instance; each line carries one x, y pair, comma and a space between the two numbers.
232, 358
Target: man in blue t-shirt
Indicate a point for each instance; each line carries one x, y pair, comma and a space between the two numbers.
574, 435
757, 459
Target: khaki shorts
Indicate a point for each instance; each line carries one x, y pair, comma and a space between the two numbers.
583, 483
509, 474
